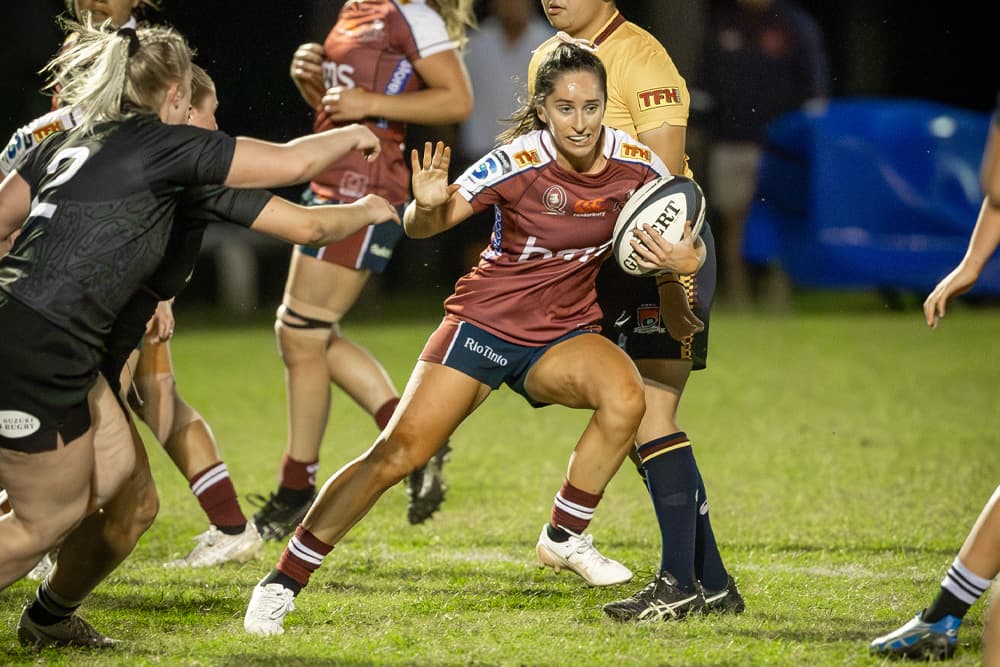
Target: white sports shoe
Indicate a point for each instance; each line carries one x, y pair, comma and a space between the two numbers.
43, 567
578, 554
267, 609
215, 547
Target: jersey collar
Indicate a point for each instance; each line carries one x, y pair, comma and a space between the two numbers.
616, 20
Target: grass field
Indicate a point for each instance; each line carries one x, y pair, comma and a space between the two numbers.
846, 454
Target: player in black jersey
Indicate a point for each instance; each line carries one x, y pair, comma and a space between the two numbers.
95, 208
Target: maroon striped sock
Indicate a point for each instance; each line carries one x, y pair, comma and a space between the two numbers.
302, 556
298, 475
573, 508
215, 493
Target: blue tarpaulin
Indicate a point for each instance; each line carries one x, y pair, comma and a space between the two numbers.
870, 193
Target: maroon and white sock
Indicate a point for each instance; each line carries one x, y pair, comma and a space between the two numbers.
573, 509
303, 555
217, 496
298, 475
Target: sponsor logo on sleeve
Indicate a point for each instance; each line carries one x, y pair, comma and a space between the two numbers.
45, 130
493, 164
633, 152
527, 158
659, 97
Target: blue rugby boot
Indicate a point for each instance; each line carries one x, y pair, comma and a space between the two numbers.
920, 640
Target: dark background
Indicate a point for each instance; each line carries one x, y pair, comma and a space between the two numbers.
884, 48
877, 47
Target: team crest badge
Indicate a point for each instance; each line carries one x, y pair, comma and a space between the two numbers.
648, 319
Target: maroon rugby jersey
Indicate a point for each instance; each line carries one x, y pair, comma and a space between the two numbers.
373, 46
535, 280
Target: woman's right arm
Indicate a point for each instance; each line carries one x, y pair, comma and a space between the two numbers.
262, 164
318, 226
984, 240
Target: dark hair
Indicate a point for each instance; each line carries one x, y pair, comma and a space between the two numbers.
564, 58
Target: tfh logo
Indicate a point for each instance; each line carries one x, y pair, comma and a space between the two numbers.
659, 97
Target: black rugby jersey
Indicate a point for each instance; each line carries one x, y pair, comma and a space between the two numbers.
102, 214
197, 207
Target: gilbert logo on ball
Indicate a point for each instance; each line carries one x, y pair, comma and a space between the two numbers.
663, 206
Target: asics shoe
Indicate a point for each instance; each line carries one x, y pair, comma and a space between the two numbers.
920, 640
659, 600
277, 519
578, 554
268, 607
726, 601
72, 631
426, 488
44, 566
215, 547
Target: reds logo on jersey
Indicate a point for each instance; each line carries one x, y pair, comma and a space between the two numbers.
554, 199
659, 97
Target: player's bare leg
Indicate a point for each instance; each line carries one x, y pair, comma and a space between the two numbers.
587, 372
317, 295
435, 402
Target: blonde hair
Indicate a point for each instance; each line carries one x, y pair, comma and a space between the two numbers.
458, 15
110, 76
201, 85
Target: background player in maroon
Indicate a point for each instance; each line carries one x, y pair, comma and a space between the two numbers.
384, 64
526, 315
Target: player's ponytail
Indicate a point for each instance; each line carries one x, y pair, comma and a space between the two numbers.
109, 76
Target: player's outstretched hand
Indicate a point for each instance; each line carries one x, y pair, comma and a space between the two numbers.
430, 175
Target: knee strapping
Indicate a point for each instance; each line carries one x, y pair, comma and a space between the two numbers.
295, 322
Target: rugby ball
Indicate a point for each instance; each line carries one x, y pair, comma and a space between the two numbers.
663, 205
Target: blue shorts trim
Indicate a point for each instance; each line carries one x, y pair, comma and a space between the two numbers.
491, 360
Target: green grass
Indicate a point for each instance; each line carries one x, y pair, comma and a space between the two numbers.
846, 454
